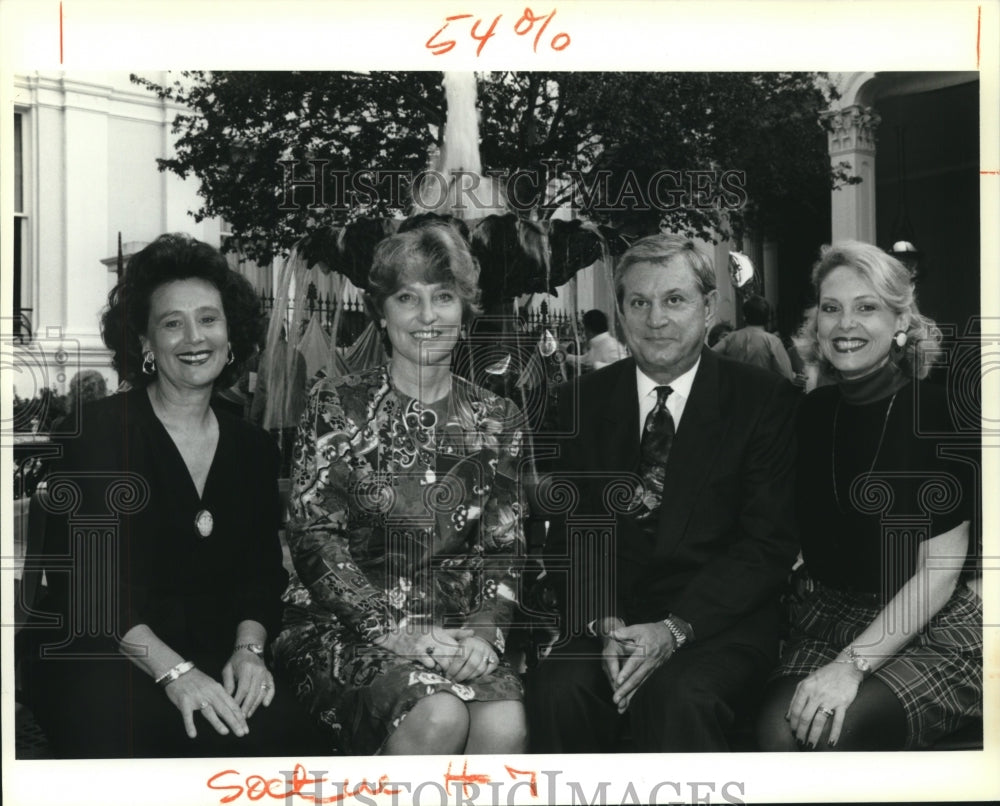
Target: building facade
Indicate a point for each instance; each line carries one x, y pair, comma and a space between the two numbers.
913, 138
85, 151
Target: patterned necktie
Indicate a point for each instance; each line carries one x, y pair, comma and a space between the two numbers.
657, 435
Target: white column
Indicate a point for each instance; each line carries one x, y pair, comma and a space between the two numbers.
852, 140
48, 281
85, 185
719, 255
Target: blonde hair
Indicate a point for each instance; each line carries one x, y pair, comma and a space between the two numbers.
894, 285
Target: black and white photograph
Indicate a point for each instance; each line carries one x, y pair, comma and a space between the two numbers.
431, 403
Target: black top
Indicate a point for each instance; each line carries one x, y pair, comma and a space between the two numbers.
893, 489
190, 590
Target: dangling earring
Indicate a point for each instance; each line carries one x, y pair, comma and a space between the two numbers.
231, 357
383, 335
148, 363
898, 341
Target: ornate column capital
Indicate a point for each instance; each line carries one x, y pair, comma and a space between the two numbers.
851, 129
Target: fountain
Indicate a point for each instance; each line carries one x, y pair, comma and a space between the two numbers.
455, 184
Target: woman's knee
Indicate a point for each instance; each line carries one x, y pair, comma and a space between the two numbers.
500, 727
773, 732
876, 720
516, 732
437, 724
443, 715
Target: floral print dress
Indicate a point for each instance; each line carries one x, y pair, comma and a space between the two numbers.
403, 516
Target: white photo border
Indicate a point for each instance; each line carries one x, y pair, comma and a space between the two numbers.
80, 35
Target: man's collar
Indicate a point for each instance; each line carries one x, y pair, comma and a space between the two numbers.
681, 385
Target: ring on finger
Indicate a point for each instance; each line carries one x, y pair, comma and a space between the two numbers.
826, 711
203, 705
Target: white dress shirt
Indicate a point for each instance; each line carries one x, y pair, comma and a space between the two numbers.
675, 403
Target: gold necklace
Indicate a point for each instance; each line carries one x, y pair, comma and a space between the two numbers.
833, 446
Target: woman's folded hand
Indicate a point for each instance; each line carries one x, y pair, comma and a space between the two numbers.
820, 703
433, 647
475, 658
196, 691
246, 679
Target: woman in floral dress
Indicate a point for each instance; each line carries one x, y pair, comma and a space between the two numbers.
406, 529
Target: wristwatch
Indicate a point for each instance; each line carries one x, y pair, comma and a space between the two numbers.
257, 649
857, 661
680, 637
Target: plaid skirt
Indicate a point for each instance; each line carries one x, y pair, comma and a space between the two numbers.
938, 676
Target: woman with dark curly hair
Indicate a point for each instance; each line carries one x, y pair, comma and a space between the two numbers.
886, 649
166, 611
406, 529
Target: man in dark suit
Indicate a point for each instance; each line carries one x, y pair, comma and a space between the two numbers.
669, 616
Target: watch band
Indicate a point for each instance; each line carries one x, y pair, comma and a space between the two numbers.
859, 662
680, 637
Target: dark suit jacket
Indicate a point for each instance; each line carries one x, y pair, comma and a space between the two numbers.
725, 538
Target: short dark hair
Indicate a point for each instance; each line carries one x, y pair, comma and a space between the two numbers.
595, 321
757, 310
717, 331
171, 257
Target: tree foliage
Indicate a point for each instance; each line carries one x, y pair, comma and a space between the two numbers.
766, 126
241, 125
606, 134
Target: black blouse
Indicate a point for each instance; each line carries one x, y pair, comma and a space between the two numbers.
138, 557
876, 479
